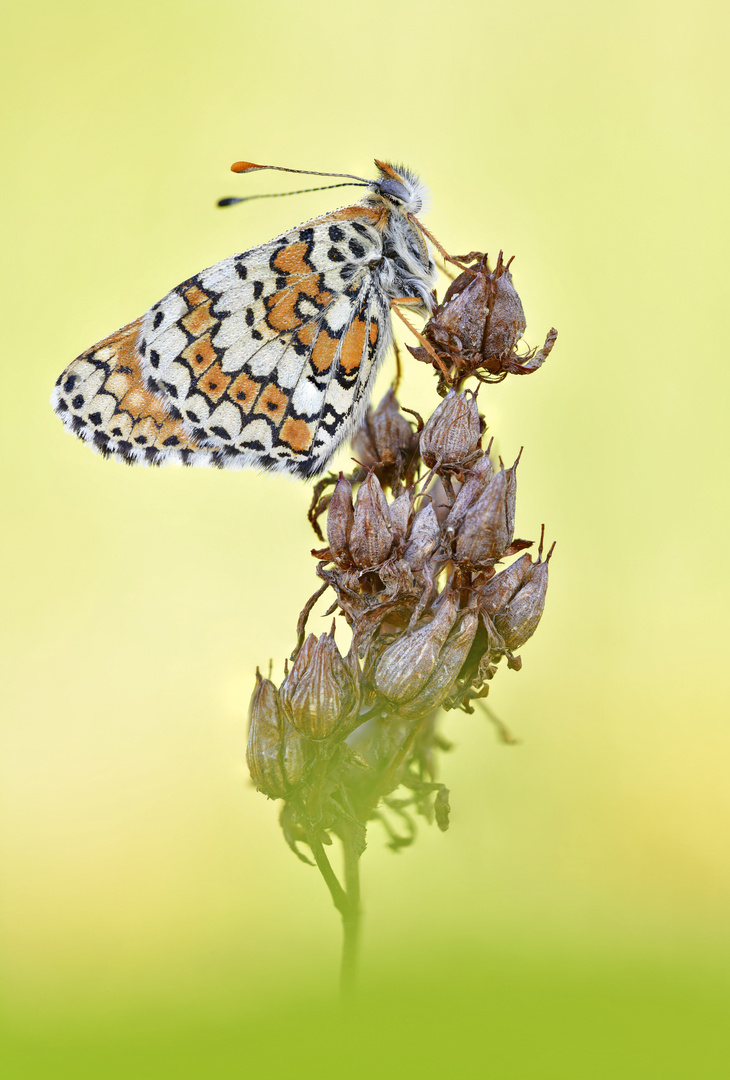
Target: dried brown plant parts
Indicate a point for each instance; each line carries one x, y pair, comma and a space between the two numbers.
476, 329
432, 593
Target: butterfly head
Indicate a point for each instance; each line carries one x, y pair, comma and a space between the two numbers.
400, 187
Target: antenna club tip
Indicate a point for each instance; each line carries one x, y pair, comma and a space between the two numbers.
245, 166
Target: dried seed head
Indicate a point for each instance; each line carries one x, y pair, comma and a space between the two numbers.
450, 661
511, 496
294, 753
362, 445
400, 514
404, 667
496, 593
506, 323
518, 621
451, 435
423, 538
263, 753
484, 535
392, 434
371, 535
340, 516
319, 692
477, 479
484, 311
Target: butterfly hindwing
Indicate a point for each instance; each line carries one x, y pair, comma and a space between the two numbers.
267, 358
102, 398
260, 355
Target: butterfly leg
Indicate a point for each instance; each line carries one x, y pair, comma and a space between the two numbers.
412, 301
440, 248
398, 368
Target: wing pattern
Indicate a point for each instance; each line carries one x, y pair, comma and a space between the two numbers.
263, 360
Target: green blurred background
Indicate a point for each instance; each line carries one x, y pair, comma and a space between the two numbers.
574, 921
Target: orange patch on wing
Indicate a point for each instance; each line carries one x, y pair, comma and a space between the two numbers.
280, 313
243, 391
306, 334
199, 354
199, 320
324, 351
296, 434
373, 332
352, 345
215, 382
272, 403
195, 296
149, 417
366, 214
292, 260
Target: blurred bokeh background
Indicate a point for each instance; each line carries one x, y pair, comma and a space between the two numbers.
574, 921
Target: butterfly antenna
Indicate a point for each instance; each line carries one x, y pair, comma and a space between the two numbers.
231, 200
249, 166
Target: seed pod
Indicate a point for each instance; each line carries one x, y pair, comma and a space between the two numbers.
400, 514
451, 660
340, 515
362, 446
451, 434
507, 319
423, 538
320, 691
371, 535
484, 534
404, 667
496, 593
518, 622
484, 311
275, 753
477, 479
391, 432
511, 497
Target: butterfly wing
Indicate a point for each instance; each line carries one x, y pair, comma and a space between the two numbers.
264, 359
102, 397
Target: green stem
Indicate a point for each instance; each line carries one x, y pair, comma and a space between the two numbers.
347, 902
339, 897
351, 919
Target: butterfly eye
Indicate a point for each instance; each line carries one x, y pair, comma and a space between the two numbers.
394, 190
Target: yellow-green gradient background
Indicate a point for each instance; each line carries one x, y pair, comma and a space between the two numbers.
574, 921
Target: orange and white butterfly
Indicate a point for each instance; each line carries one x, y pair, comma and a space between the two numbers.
268, 358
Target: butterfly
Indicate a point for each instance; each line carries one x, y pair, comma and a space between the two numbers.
266, 359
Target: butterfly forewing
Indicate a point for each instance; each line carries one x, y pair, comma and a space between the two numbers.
265, 359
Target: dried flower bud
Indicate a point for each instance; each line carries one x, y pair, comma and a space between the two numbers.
320, 691
400, 513
483, 535
423, 538
519, 619
496, 593
371, 535
362, 445
391, 432
511, 497
484, 311
451, 434
478, 477
404, 667
275, 753
450, 662
340, 516
506, 323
